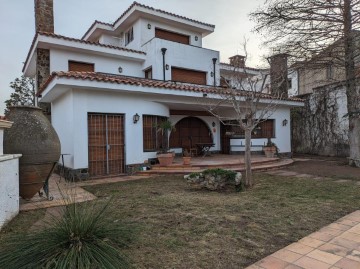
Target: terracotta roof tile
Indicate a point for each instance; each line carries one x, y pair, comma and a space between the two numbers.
151, 83
75, 40
150, 8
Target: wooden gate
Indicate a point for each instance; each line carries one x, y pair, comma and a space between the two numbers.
106, 144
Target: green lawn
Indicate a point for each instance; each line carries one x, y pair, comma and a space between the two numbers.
179, 227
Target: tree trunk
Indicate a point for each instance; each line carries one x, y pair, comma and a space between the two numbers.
248, 173
351, 90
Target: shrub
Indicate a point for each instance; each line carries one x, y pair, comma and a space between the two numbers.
215, 179
81, 237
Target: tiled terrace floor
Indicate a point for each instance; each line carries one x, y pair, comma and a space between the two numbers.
332, 247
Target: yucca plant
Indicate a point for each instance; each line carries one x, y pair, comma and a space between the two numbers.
80, 237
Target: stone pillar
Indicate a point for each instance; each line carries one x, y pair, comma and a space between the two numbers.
44, 16
44, 22
278, 75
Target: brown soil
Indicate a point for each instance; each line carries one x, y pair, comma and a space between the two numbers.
325, 167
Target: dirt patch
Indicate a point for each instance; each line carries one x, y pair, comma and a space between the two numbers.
326, 167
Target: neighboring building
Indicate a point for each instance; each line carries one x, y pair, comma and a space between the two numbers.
321, 127
109, 89
236, 71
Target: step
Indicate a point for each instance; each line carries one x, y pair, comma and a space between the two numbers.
187, 170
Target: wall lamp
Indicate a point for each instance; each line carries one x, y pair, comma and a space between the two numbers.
212, 74
285, 122
136, 118
149, 26
167, 67
120, 69
196, 38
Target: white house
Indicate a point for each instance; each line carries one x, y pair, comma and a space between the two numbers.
109, 89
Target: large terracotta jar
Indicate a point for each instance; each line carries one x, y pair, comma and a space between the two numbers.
33, 136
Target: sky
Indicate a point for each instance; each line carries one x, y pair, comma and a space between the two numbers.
74, 17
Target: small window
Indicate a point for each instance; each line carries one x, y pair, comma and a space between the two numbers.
148, 73
81, 67
265, 129
329, 72
129, 36
289, 83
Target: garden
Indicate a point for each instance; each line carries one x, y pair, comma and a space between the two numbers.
166, 223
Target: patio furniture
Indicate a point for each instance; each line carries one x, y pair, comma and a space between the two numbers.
204, 148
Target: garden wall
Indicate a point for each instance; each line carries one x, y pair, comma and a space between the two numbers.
320, 126
9, 181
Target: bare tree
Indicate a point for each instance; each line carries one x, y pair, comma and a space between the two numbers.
325, 31
243, 103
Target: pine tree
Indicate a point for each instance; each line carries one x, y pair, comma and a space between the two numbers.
24, 93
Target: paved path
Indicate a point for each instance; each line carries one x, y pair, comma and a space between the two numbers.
64, 192
334, 246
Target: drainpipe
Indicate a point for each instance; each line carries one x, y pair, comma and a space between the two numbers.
163, 51
214, 62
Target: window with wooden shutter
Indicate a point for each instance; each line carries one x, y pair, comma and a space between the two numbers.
188, 76
81, 67
151, 137
264, 129
171, 36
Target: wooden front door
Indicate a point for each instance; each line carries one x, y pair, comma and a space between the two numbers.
225, 139
106, 144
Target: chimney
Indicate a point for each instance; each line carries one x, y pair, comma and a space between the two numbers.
44, 22
278, 75
237, 61
44, 16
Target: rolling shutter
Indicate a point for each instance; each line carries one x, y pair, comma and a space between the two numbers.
188, 76
163, 34
81, 67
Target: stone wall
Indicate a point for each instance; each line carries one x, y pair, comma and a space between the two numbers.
320, 127
44, 16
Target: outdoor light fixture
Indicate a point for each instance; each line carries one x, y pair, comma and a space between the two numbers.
136, 118
204, 94
212, 74
120, 69
213, 124
285, 122
196, 38
149, 26
167, 67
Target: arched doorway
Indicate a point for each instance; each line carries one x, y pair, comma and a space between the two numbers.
190, 131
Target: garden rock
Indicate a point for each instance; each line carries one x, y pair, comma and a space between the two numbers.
214, 179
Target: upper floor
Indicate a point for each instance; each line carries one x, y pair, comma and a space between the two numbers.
143, 42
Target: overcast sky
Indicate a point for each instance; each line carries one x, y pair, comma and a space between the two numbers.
73, 18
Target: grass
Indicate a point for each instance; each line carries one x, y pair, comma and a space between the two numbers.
179, 227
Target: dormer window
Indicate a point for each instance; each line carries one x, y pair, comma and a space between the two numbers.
129, 36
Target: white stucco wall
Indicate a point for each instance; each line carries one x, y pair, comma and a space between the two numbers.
9, 181
60, 62
62, 118
148, 34
182, 56
69, 118
282, 134
9, 188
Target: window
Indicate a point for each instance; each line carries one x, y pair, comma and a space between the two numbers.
265, 129
129, 36
81, 67
329, 72
171, 36
188, 76
148, 73
151, 137
289, 83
